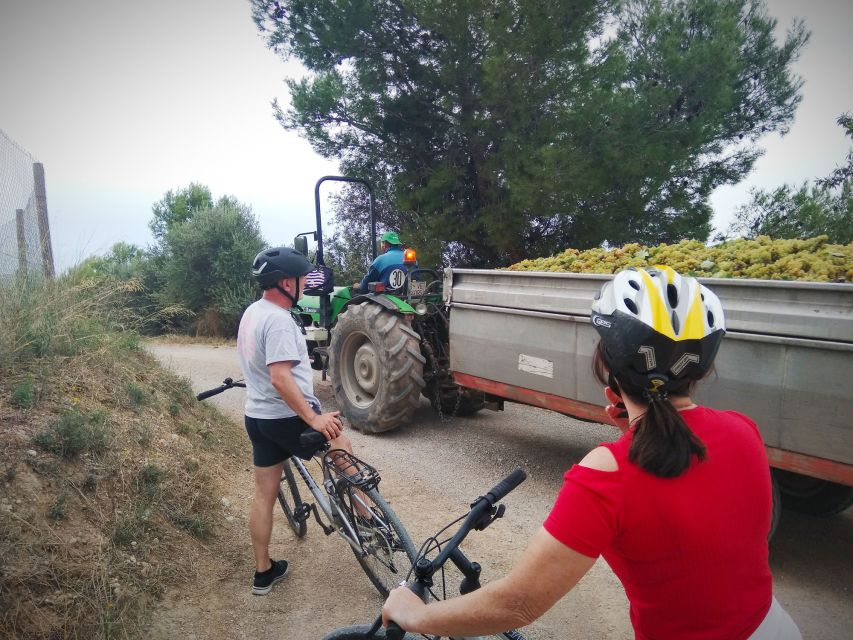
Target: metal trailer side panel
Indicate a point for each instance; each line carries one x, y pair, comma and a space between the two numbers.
813, 310
796, 389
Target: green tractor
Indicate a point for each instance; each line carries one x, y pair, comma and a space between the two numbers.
382, 348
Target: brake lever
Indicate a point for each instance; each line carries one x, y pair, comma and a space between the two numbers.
490, 516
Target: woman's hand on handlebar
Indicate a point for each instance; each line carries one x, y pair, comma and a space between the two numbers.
329, 424
402, 606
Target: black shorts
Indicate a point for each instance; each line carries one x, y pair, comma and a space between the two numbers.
277, 440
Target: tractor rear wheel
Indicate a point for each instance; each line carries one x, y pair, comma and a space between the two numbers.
376, 367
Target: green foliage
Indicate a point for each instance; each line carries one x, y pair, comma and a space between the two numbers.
24, 394
501, 129
131, 526
137, 396
206, 262
149, 481
178, 207
825, 208
123, 261
75, 433
842, 174
198, 265
62, 318
197, 523
802, 213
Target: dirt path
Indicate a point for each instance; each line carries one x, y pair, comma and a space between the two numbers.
431, 471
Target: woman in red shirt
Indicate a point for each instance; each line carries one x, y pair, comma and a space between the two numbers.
679, 506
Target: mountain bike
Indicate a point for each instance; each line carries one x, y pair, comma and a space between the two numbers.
484, 511
346, 501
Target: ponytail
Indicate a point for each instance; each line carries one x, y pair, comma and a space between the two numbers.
663, 444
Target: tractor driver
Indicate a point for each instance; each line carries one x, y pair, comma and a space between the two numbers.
384, 267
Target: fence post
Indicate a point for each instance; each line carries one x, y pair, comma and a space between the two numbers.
22, 242
44, 226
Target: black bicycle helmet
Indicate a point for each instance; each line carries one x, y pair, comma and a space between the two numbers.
658, 327
271, 265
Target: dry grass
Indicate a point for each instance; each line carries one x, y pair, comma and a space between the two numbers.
180, 338
103, 463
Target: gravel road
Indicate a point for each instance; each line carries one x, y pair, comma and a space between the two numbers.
431, 471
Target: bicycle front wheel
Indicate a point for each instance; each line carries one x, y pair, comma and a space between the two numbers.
359, 632
388, 551
291, 501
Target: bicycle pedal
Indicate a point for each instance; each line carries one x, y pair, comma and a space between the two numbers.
302, 512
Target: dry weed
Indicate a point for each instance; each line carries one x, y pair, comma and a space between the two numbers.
95, 523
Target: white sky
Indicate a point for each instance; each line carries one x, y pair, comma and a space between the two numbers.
123, 101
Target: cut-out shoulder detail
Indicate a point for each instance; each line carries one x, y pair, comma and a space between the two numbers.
600, 458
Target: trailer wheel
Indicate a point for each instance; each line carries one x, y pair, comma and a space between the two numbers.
376, 367
812, 496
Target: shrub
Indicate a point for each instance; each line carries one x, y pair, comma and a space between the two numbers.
24, 394
75, 433
57, 509
149, 480
137, 395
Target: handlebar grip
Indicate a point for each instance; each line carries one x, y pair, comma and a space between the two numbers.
211, 392
393, 631
506, 485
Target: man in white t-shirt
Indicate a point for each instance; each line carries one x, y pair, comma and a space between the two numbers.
280, 400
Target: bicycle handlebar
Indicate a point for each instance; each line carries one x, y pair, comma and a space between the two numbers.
228, 383
481, 509
506, 485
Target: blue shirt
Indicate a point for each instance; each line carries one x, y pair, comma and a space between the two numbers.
381, 268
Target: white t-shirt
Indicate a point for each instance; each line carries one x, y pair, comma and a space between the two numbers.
267, 334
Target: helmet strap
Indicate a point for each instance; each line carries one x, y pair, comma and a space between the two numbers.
287, 294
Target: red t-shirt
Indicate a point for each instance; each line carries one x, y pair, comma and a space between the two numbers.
691, 551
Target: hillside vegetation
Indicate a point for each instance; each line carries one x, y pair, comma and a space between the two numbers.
813, 259
105, 464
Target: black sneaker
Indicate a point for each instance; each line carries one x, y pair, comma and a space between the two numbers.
264, 581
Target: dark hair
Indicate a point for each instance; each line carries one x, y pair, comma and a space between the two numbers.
663, 444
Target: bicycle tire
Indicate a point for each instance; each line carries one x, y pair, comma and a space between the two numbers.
288, 492
390, 550
359, 632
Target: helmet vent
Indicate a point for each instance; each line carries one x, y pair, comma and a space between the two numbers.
710, 318
676, 325
634, 284
672, 295
632, 306
273, 253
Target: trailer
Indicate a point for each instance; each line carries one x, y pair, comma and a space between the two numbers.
526, 337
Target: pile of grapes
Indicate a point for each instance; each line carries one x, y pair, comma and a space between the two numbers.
763, 258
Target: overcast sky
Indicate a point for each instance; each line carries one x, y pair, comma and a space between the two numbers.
123, 101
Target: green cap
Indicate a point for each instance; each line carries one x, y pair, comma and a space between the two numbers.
390, 237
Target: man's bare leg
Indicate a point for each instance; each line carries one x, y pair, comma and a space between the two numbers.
267, 481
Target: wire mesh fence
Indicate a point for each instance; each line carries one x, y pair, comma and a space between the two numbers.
25, 248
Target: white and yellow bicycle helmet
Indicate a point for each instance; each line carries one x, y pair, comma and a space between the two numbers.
658, 326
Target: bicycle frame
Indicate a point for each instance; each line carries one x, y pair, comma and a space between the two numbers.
347, 496
330, 506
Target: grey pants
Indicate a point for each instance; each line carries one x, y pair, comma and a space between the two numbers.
777, 625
